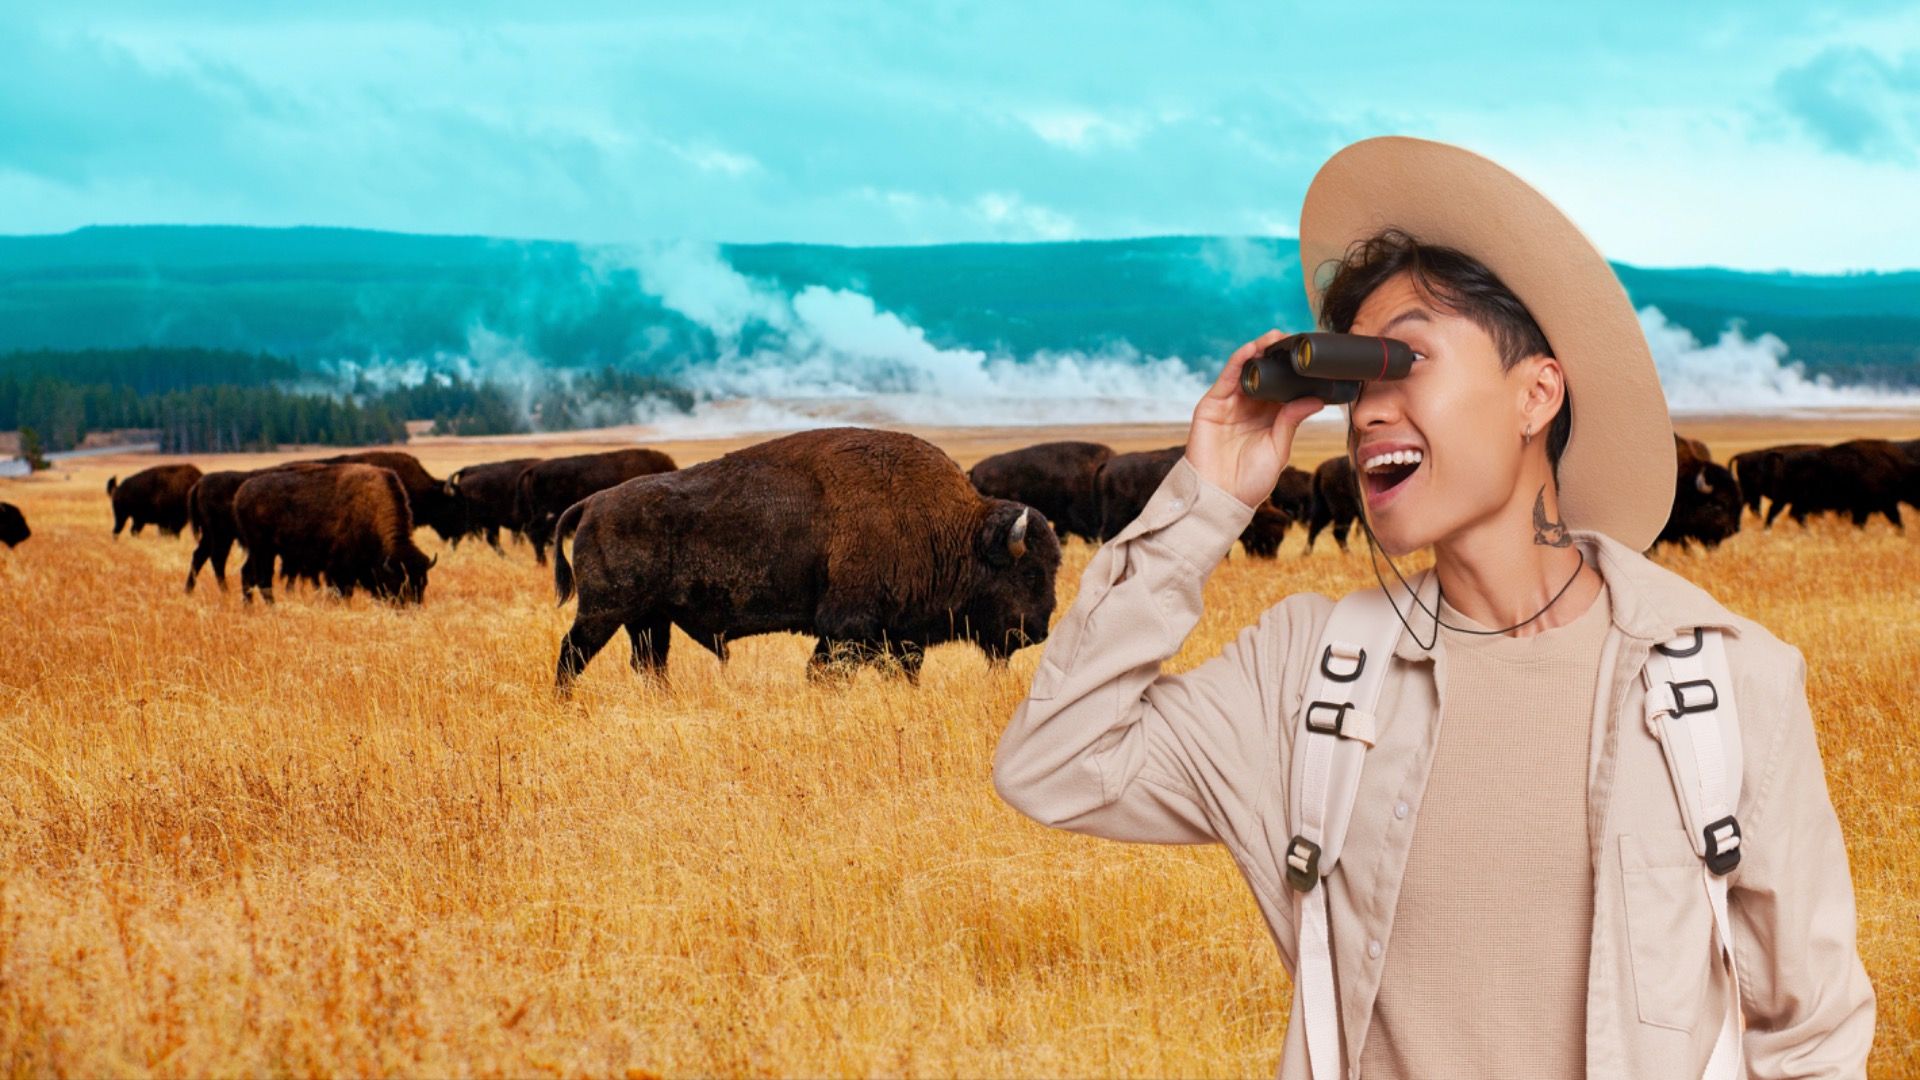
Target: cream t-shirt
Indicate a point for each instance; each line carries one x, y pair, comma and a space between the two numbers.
1485, 972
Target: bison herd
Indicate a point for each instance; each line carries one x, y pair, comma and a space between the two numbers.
1088, 490
875, 543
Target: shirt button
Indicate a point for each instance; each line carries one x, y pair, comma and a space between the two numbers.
1400, 809
1373, 948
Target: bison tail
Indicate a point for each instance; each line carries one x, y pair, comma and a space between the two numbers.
562, 570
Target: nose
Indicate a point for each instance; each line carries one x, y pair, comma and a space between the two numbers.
1378, 405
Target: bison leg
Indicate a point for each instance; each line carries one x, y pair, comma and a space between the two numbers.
1340, 530
493, 540
1319, 522
650, 641
257, 573
1773, 511
219, 557
200, 554
590, 634
119, 522
1893, 514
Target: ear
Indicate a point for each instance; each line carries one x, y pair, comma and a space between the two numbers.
1543, 391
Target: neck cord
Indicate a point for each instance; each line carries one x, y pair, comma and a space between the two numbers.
1373, 557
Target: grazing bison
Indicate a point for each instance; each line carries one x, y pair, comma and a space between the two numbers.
1055, 478
872, 541
427, 497
1758, 472
347, 524
13, 525
547, 488
483, 499
1336, 501
1294, 493
1127, 481
1859, 478
156, 496
1706, 505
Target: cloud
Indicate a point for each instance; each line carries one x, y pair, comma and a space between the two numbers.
1013, 218
1082, 130
1854, 101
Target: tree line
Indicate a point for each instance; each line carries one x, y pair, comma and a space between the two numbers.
212, 401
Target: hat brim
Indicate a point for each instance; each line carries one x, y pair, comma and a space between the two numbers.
1617, 472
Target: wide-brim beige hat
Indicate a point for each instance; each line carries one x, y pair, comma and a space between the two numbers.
1616, 474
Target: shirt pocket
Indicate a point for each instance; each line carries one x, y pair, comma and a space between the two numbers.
1669, 926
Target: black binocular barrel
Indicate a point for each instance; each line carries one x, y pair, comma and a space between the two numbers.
1328, 366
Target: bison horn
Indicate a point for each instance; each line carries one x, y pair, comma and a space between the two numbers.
433, 562
1700, 483
1017, 538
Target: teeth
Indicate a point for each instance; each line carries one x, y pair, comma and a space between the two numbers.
1397, 457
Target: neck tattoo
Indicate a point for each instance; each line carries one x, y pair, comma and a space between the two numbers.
1547, 532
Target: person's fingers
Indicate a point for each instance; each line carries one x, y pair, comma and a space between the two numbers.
1290, 417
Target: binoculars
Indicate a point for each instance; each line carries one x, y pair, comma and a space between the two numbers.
1331, 367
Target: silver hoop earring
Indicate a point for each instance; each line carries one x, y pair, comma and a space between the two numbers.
1526, 437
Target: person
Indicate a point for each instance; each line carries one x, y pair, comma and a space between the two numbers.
1519, 895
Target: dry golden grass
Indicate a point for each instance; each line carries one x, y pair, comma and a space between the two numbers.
337, 838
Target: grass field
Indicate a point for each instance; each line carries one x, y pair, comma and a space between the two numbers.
337, 838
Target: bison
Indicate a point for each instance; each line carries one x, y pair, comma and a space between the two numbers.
1336, 501
156, 496
1706, 504
427, 497
13, 525
347, 524
483, 499
1758, 471
874, 542
547, 488
1055, 478
1858, 478
1127, 481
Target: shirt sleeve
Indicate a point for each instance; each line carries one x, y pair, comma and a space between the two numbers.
1808, 1003
1105, 744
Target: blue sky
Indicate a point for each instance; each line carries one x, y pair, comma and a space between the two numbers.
1751, 135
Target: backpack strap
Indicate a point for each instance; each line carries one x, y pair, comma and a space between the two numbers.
1690, 710
1336, 728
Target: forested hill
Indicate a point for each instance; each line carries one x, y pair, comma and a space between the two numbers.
322, 294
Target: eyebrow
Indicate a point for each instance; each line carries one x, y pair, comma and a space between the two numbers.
1405, 316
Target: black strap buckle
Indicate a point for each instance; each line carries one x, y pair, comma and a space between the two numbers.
1682, 707
1698, 641
1720, 861
1329, 727
1326, 666
1303, 863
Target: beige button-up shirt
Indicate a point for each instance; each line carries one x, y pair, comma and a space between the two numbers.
1106, 744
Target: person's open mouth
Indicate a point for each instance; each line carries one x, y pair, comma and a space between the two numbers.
1386, 474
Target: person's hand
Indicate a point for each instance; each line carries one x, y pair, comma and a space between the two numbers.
1241, 444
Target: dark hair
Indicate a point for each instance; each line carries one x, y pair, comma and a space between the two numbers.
1454, 282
